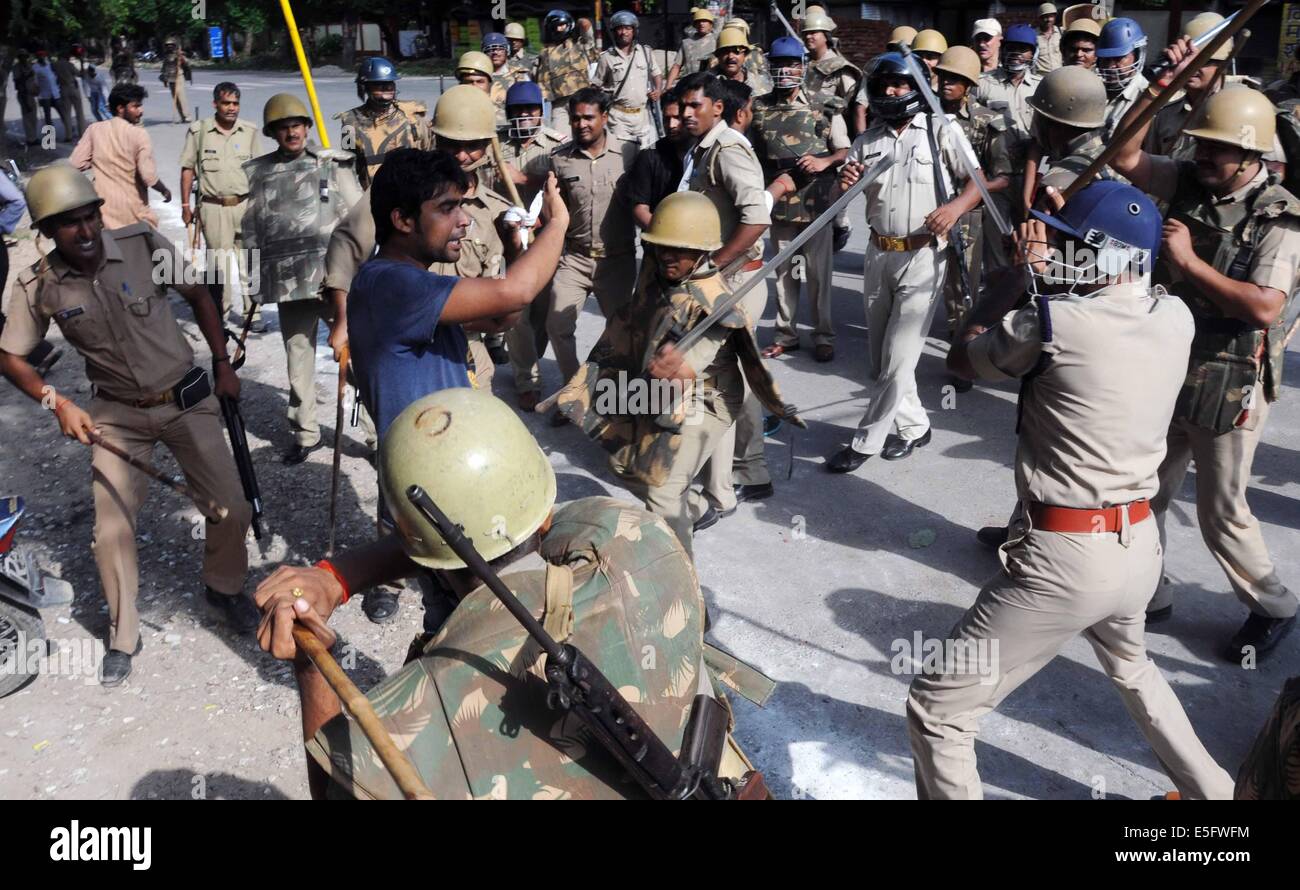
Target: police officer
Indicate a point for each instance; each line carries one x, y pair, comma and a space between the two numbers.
756, 60
902, 34
723, 166
215, 152
519, 52
26, 89
100, 287
696, 52
929, 46
659, 464
1069, 115
123, 68
958, 73
504, 497
175, 71
906, 259
562, 66
475, 69
1100, 356
505, 72
630, 74
297, 195
527, 148
1048, 56
600, 248
802, 144
833, 79
1231, 250
1121, 53
731, 55
1079, 43
381, 123
1167, 136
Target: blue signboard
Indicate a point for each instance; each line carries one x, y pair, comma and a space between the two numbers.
217, 42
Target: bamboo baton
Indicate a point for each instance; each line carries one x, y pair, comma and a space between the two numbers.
399, 766
215, 512
1229, 28
511, 192
344, 357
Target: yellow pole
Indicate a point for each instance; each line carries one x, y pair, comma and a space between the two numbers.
321, 133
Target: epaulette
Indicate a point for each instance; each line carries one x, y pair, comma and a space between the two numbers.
412, 107
136, 228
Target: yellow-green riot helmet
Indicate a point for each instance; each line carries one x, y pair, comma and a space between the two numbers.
283, 106
57, 189
1237, 115
1071, 95
477, 461
685, 219
464, 113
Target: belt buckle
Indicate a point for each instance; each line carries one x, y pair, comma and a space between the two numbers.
597, 253
894, 243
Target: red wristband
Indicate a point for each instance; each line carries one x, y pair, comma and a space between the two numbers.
329, 567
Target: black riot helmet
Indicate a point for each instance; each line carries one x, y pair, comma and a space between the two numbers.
892, 109
557, 27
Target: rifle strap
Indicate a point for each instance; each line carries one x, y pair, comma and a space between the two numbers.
558, 617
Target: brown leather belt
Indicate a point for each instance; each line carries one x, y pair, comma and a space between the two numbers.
630, 109
909, 242
592, 251
224, 200
153, 401
1082, 521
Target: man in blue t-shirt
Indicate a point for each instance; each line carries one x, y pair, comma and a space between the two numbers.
404, 322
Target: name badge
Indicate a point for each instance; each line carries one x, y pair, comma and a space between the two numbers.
70, 313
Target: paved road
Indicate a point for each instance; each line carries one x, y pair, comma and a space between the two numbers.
819, 585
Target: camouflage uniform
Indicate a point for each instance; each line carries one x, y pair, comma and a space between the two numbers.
697, 53
1165, 137
502, 81
987, 132
1079, 153
757, 74
1235, 371
784, 130
470, 708
124, 67
1118, 107
293, 205
371, 138
175, 71
527, 339
835, 79
659, 465
561, 70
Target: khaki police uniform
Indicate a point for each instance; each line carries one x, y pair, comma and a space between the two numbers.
293, 207
121, 323
1223, 458
986, 130
903, 273
1118, 107
217, 158
628, 78
1048, 58
723, 166
175, 71
600, 246
527, 339
1092, 433
998, 92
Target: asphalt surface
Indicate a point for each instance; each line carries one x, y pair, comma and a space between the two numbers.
821, 585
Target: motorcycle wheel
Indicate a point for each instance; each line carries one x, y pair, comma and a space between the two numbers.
18, 627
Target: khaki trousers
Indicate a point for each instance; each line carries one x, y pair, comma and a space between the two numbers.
484, 368
632, 127
197, 440
610, 278
221, 231
177, 89
560, 117
743, 443
1055, 586
707, 421
75, 105
1228, 527
812, 264
527, 341
899, 311
300, 322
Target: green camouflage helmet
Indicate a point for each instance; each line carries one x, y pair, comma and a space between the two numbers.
478, 462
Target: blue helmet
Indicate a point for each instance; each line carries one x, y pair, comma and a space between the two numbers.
520, 95
377, 69
1013, 60
1118, 38
1117, 222
494, 41
892, 109
526, 92
1021, 34
786, 50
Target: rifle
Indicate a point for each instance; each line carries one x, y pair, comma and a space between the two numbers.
578, 686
